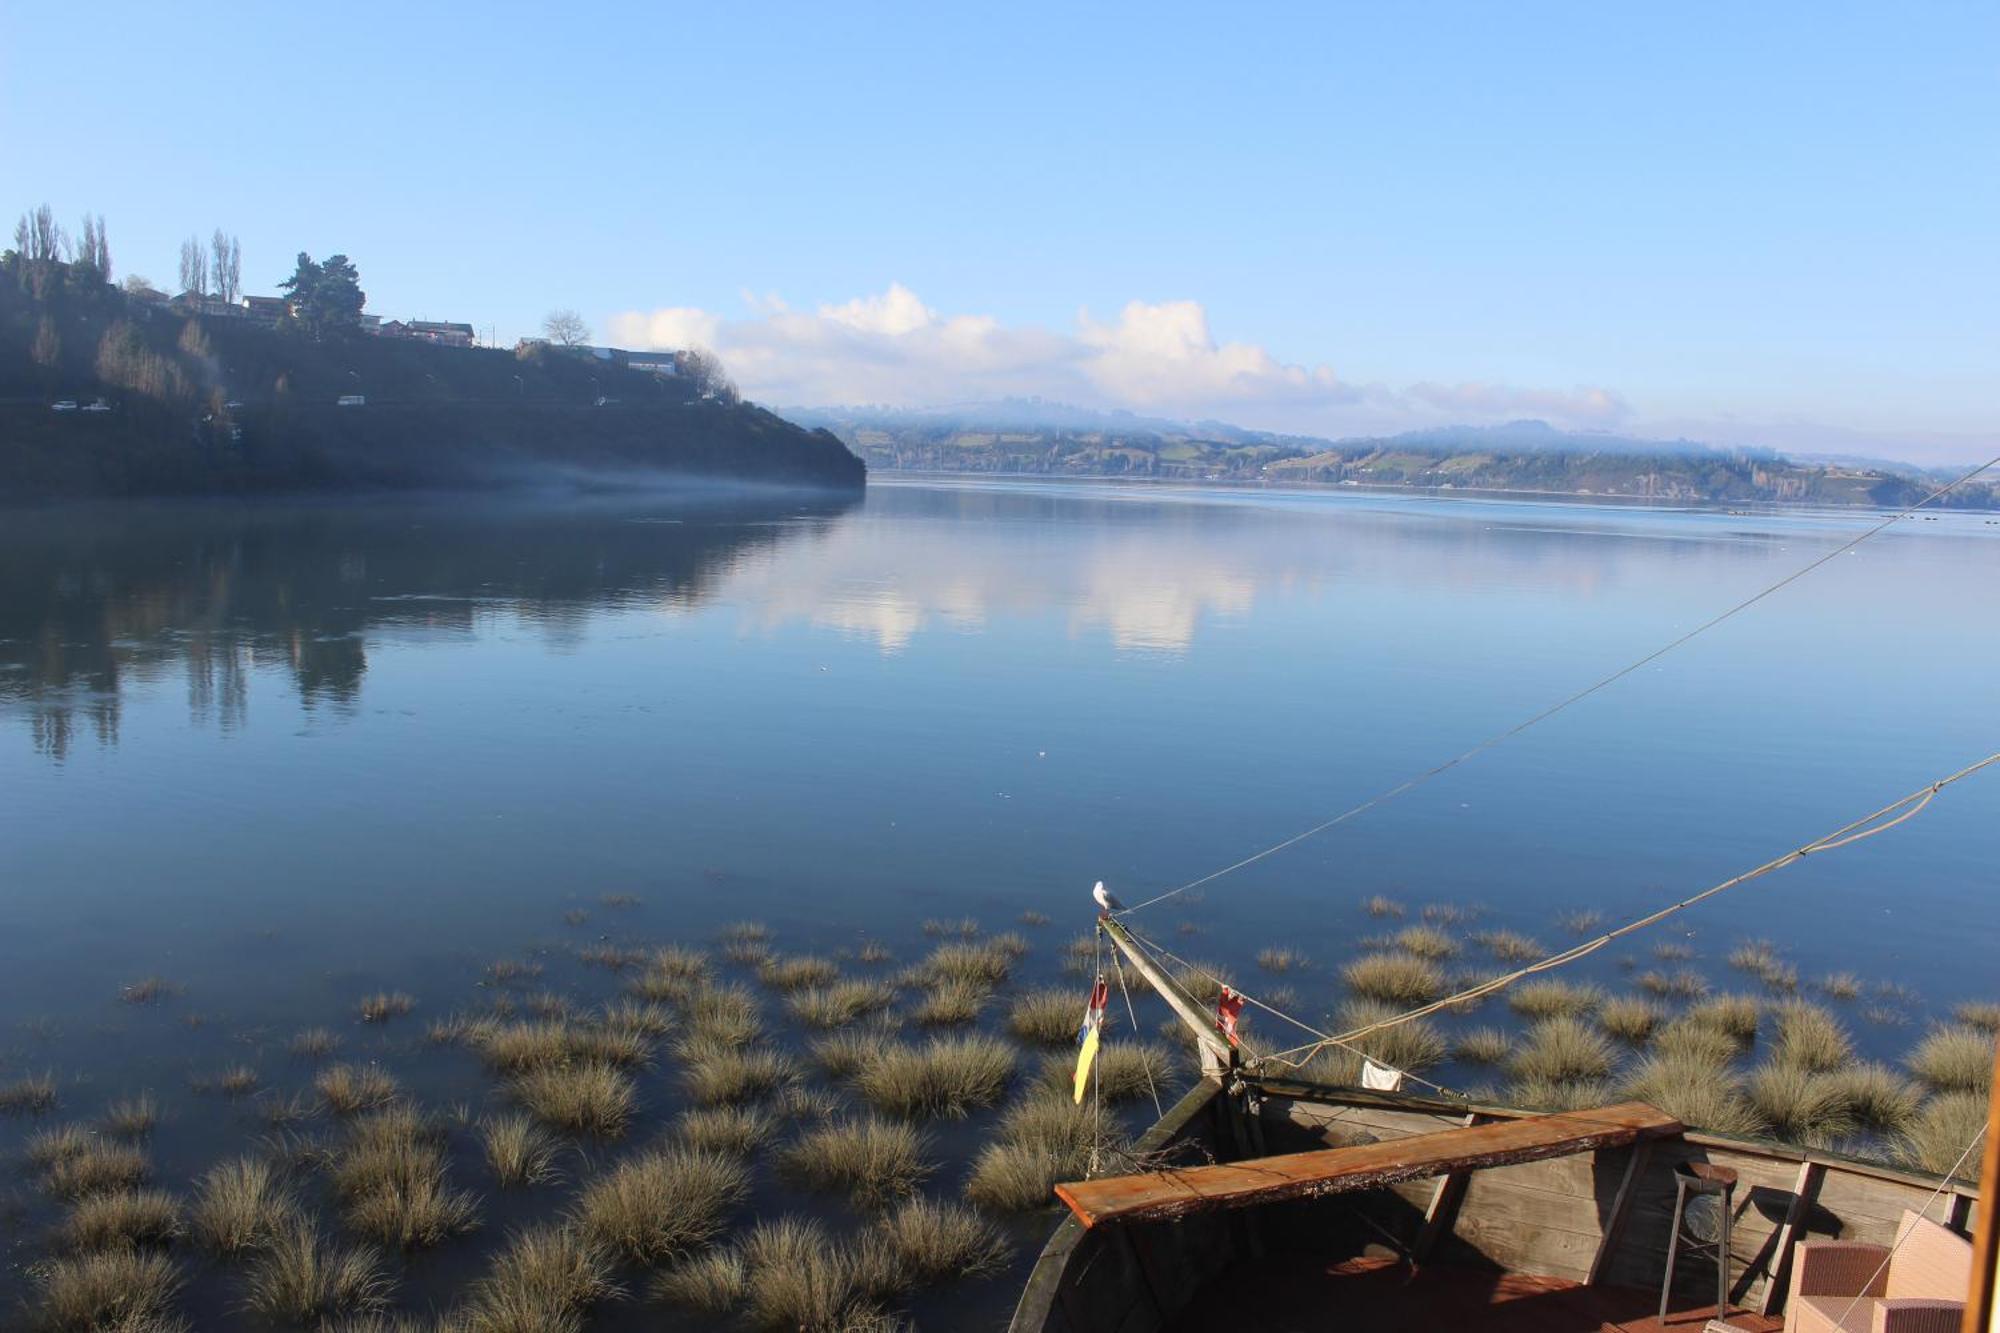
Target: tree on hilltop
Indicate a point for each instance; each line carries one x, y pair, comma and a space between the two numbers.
566, 328
323, 298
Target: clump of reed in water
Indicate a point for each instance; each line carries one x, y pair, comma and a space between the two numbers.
1395, 978
123, 1219
664, 1204
715, 1073
235, 1081
1629, 1019
1564, 1050
1954, 1059
75, 1165
1040, 1140
1694, 1088
131, 1117
1879, 1098
315, 1043
965, 928
673, 973
585, 1097
1684, 984
611, 957
1033, 918
1047, 1017
1203, 980
1800, 1105
1482, 1046
1282, 961
1426, 942
518, 1151
390, 1176
1413, 1046
347, 1089
297, 1277
987, 963
512, 971
1509, 946
385, 1005
1936, 1139
790, 1274
942, 1242
1381, 906
112, 1289
240, 1205
1810, 1038
873, 1161
796, 972
873, 951
839, 1004
950, 1003
734, 1131
1840, 986
1580, 921
1673, 951
31, 1094
1980, 1014
946, 1076
725, 1015
148, 990
545, 1279
1553, 997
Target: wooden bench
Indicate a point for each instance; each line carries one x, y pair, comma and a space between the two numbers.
1153, 1195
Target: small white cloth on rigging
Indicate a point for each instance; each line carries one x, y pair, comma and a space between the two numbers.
1380, 1078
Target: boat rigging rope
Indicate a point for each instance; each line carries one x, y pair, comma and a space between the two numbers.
1118, 966
1498, 738
1880, 821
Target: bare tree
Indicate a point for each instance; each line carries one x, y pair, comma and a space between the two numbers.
226, 266
45, 238
92, 251
704, 368
566, 328
194, 268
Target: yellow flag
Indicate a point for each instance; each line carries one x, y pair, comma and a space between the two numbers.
1084, 1058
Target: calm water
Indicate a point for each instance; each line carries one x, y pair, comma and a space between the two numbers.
281, 756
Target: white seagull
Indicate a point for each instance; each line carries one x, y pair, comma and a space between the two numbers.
1106, 898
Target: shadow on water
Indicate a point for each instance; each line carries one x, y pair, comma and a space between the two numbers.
94, 600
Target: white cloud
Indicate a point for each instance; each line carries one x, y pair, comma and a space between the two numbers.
891, 349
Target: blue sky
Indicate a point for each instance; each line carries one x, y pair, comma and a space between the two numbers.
1771, 222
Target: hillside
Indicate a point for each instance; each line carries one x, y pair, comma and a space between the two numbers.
206, 405
1525, 457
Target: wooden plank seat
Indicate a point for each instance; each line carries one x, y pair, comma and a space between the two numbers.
1153, 1195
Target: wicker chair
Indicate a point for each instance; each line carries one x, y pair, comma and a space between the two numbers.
1921, 1289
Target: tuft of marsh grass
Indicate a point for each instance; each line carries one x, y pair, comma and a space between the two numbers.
1414, 1045
950, 1002
664, 1204
549, 1004
1554, 998
108, 1292
873, 1161
586, 1097
1694, 1091
517, 1048
1033, 918
1558, 1094
131, 1117
1880, 1098
314, 1043
95, 1166
1799, 1105
946, 1076
1937, 1138
750, 932
797, 1278
123, 1219
801, 1104
1629, 1019
713, 1283
1840, 985
611, 957
1563, 1050
1012, 943
674, 971
1448, 914
575, 916
1682, 984
1810, 1038
1981, 1014
715, 1074
942, 1242
278, 1111
1754, 956
239, 1205
1426, 942
1048, 1017
1695, 1045
1041, 1139
843, 1053
235, 1081
148, 990
1203, 980
543, 1282
634, 1017
728, 1015
1282, 961
734, 1131
390, 1175
297, 1277
512, 971
874, 951
1954, 1059
746, 953
1580, 921
797, 972
841, 1003
385, 1005
48, 1146
1735, 1016
1673, 951
518, 1151
1510, 946
349, 1089
31, 1094
1482, 1046
1380, 907
987, 963
1395, 978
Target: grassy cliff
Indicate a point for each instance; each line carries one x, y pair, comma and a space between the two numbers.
218, 405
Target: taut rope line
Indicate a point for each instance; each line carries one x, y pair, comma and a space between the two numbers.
1420, 779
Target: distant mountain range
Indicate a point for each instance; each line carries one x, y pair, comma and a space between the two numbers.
1036, 437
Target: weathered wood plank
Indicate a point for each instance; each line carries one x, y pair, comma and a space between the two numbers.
1803, 1190
1162, 1194
1621, 1203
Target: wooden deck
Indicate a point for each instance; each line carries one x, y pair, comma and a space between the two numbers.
1385, 1296
1157, 1195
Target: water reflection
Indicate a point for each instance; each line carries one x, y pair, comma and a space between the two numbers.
96, 602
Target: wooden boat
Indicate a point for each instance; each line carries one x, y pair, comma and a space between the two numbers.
1269, 1203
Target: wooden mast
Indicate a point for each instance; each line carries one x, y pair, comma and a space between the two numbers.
1217, 1055
1980, 1308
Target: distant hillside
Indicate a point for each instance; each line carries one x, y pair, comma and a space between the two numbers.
1524, 456
219, 404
